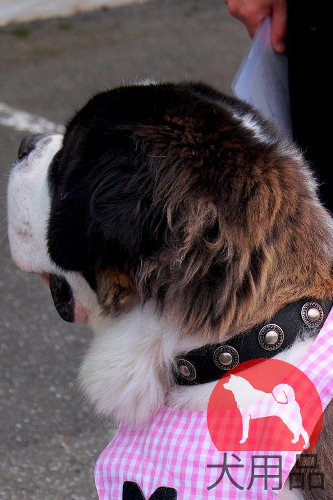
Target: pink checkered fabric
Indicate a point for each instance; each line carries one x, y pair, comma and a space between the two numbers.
175, 449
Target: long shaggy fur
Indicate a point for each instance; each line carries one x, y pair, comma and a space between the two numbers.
235, 232
205, 208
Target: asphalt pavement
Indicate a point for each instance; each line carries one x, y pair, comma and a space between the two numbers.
49, 436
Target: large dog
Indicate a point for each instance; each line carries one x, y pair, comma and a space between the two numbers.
170, 217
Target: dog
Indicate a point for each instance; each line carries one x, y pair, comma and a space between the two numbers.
168, 217
253, 403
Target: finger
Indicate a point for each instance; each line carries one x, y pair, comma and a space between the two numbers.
279, 25
250, 12
253, 25
253, 20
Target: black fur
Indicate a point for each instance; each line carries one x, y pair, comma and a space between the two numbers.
104, 208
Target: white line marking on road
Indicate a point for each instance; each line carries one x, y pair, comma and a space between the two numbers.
27, 10
23, 121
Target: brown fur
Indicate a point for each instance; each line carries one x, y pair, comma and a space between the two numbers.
115, 290
246, 234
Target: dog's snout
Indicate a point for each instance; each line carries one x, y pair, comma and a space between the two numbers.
28, 144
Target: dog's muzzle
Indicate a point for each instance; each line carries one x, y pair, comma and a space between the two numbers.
62, 297
28, 144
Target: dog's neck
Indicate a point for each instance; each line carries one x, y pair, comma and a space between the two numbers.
128, 370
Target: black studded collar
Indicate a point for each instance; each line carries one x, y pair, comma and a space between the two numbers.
209, 362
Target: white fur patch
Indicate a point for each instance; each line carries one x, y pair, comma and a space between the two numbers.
146, 81
127, 370
29, 207
28, 214
249, 121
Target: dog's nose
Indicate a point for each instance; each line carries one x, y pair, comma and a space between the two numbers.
28, 144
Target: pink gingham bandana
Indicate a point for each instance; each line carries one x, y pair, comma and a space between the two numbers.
174, 458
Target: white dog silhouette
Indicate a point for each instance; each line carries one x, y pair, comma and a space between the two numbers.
253, 403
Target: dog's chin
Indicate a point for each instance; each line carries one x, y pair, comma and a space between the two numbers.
67, 304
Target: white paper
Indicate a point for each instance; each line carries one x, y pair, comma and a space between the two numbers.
262, 80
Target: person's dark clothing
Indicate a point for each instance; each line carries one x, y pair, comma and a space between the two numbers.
310, 56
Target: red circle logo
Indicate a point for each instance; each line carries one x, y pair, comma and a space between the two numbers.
264, 405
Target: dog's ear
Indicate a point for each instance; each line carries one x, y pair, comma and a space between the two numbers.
203, 218
99, 204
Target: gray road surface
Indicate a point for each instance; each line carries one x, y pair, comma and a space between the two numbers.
49, 437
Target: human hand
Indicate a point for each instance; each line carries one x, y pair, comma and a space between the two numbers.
253, 12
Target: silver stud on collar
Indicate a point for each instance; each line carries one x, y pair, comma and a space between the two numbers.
312, 314
271, 337
226, 357
186, 370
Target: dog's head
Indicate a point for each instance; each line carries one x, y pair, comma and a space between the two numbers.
235, 383
229, 385
171, 192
